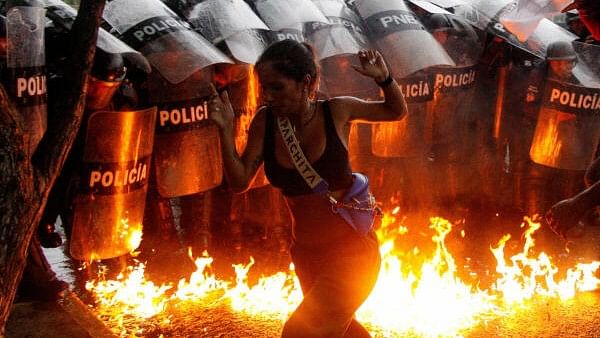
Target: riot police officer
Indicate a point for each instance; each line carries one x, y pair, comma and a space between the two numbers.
536, 189
561, 59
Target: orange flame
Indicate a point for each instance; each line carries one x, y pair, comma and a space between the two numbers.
132, 295
201, 282
277, 295
428, 300
424, 298
525, 276
250, 105
547, 144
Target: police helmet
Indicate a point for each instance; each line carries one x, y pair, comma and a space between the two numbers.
571, 16
439, 21
560, 50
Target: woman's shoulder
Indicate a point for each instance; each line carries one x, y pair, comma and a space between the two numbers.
342, 106
341, 103
260, 117
341, 100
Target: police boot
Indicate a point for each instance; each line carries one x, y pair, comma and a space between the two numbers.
39, 282
160, 232
195, 221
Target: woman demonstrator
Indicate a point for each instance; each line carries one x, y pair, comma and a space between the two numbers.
337, 267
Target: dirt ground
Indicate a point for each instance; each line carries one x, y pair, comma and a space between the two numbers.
68, 318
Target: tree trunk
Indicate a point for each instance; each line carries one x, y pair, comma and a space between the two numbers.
25, 183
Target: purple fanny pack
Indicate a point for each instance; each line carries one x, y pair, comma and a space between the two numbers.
358, 207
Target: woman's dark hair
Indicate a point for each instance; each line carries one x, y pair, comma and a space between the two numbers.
292, 59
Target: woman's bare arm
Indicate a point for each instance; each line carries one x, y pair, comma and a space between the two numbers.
392, 108
239, 170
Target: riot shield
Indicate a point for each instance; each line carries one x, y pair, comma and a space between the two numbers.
285, 18
343, 34
524, 18
568, 126
454, 86
461, 41
407, 138
336, 45
399, 35
187, 155
587, 68
109, 207
169, 44
450, 118
64, 15
351, 5
422, 5
447, 3
281, 14
410, 137
487, 14
232, 23
26, 68
109, 64
293, 33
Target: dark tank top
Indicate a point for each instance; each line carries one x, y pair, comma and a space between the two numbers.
333, 165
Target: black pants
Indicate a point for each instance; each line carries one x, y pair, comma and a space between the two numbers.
335, 281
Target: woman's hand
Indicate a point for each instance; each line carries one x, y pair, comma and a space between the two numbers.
220, 110
372, 65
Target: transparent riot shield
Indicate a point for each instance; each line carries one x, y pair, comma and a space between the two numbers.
459, 38
351, 5
400, 147
232, 23
169, 44
546, 33
338, 78
399, 35
488, 14
336, 44
447, 3
454, 87
524, 18
407, 137
64, 15
429, 7
296, 33
450, 117
187, 155
568, 126
109, 207
587, 68
286, 18
343, 34
109, 70
281, 14
26, 68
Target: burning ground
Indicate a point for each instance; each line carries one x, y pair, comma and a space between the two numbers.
437, 281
